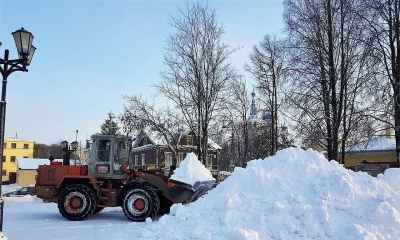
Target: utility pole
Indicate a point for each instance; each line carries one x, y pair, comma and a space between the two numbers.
76, 139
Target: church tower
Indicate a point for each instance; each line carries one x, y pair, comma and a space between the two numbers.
253, 110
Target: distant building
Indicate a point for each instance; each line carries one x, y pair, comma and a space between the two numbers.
151, 151
377, 150
260, 124
27, 170
13, 149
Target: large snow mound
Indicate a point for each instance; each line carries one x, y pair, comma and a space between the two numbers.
191, 170
392, 176
295, 194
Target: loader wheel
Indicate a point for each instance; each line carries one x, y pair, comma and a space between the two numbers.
76, 202
140, 203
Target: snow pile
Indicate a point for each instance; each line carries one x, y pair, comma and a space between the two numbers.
392, 176
295, 194
2, 237
26, 198
12, 188
191, 170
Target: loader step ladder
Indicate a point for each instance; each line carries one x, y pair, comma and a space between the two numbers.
103, 197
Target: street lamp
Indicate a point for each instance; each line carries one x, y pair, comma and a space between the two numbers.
23, 40
68, 149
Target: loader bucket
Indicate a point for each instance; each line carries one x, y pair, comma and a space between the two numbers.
186, 193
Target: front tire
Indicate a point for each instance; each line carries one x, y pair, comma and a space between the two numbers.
140, 203
76, 202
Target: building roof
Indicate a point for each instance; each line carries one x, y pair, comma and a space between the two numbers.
160, 141
213, 144
31, 163
375, 144
154, 139
17, 140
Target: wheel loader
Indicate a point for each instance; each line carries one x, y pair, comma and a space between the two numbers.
109, 180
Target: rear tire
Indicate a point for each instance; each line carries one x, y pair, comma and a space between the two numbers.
77, 202
140, 203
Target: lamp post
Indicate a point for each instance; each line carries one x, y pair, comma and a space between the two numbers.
23, 40
68, 149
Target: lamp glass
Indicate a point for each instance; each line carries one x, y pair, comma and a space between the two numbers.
64, 144
74, 145
23, 40
33, 49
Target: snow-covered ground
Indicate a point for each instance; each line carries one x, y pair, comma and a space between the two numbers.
294, 195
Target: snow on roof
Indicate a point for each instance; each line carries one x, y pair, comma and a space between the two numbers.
375, 144
31, 163
212, 144
154, 139
17, 140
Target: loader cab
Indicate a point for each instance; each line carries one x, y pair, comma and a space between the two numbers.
108, 156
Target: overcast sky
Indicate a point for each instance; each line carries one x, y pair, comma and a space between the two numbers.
90, 53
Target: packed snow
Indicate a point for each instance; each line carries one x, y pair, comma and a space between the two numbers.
191, 170
392, 177
12, 188
295, 194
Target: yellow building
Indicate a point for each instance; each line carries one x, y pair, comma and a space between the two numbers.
378, 150
14, 149
27, 170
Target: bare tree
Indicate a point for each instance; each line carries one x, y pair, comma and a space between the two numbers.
236, 122
197, 69
331, 66
384, 24
41, 150
267, 65
164, 122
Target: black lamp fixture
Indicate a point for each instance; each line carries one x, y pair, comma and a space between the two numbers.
68, 149
23, 40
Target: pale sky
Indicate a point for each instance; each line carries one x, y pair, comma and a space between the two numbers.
90, 53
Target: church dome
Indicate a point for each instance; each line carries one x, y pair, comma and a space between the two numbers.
267, 117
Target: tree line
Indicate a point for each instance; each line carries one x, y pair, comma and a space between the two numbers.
333, 79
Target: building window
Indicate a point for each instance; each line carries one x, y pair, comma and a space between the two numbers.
5, 145
4, 158
13, 159
180, 159
143, 159
189, 140
25, 156
168, 159
13, 145
26, 146
4, 172
209, 160
136, 160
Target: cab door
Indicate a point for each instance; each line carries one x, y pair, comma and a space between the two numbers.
103, 159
